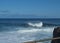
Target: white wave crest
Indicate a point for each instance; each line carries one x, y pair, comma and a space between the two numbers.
36, 24
36, 30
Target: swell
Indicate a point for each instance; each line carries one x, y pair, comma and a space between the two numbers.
17, 26
42, 24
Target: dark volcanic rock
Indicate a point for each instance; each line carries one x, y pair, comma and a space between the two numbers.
56, 33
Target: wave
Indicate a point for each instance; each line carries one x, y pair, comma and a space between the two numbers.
28, 24
40, 24
45, 29
21, 36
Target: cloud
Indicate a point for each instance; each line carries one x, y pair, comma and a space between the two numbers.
4, 11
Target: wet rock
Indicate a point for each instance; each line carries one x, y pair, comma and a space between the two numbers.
56, 33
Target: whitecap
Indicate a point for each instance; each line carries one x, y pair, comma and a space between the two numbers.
40, 24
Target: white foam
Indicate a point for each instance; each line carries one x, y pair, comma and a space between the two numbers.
36, 24
36, 30
21, 36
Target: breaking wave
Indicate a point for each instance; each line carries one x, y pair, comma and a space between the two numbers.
45, 29
29, 24
35, 24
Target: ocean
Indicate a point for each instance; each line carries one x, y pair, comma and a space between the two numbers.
21, 30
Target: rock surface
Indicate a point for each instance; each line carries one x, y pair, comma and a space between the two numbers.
56, 33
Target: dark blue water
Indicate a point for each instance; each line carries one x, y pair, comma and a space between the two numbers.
21, 22
20, 30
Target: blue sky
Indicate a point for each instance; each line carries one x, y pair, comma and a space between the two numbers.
29, 8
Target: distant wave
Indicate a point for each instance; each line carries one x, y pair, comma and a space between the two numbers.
40, 24
29, 24
15, 27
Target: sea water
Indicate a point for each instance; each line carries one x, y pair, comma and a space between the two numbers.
23, 30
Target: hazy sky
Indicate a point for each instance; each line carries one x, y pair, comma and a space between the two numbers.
29, 8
